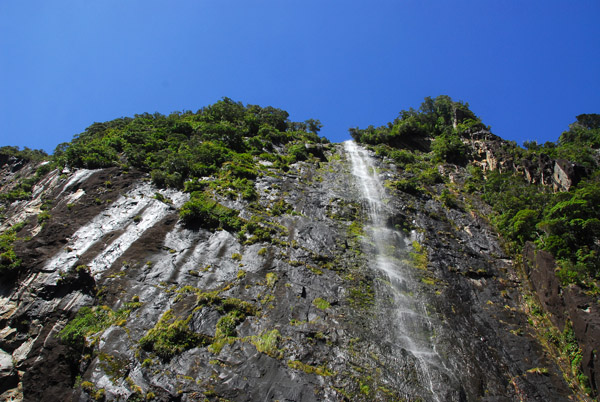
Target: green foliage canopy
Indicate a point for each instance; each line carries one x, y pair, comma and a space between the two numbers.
436, 117
186, 145
566, 224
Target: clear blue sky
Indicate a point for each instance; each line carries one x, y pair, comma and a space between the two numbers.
527, 68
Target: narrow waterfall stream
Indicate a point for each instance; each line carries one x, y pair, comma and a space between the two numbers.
413, 331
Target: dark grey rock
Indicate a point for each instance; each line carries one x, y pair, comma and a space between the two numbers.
307, 316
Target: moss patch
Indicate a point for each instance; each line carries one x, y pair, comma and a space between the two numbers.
307, 368
171, 336
267, 343
321, 304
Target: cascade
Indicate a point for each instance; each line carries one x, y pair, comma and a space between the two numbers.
413, 330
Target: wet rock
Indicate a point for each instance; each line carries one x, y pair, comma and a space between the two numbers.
300, 315
205, 322
8, 336
8, 375
567, 304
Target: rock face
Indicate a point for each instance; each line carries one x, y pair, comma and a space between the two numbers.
566, 174
172, 313
570, 304
489, 151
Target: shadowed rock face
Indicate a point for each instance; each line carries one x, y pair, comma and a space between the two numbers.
189, 314
571, 303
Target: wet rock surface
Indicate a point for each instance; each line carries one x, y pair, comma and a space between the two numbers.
208, 315
572, 304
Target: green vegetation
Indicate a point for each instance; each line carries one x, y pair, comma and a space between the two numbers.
209, 214
573, 352
171, 336
92, 320
97, 394
26, 154
9, 262
355, 230
43, 217
223, 138
539, 370
309, 369
321, 304
212, 153
449, 147
361, 295
439, 119
281, 207
257, 229
271, 278
267, 343
567, 223
24, 186
449, 199
419, 257
226, 330
559, 342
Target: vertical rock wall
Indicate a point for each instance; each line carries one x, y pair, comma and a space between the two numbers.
570, 304
293, 314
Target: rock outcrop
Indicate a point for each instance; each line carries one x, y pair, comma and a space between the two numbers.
491, 152
116, 299
569, 305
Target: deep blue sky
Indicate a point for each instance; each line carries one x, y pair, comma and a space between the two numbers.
527, 68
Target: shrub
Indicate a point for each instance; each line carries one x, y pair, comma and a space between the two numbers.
449, 199
430, 176
402, 157
8, 258
408, 186
450, 148
281, 207
43, 217
298, 152
92, 320
209, 214
257, 231
88, 321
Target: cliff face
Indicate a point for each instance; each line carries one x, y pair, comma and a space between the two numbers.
572, 304
294, 310
490, 152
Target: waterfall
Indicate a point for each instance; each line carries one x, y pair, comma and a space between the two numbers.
413, 329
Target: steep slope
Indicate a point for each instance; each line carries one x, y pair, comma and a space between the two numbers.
127, 290
544, 200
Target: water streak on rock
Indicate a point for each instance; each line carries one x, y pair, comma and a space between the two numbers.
414, 330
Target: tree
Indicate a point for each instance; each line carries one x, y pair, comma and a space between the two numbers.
314, 126
450, 148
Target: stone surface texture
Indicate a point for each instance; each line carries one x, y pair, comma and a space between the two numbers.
282, 341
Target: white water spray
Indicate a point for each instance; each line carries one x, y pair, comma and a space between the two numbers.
414, 330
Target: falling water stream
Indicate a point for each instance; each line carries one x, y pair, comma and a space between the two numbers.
413, 330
